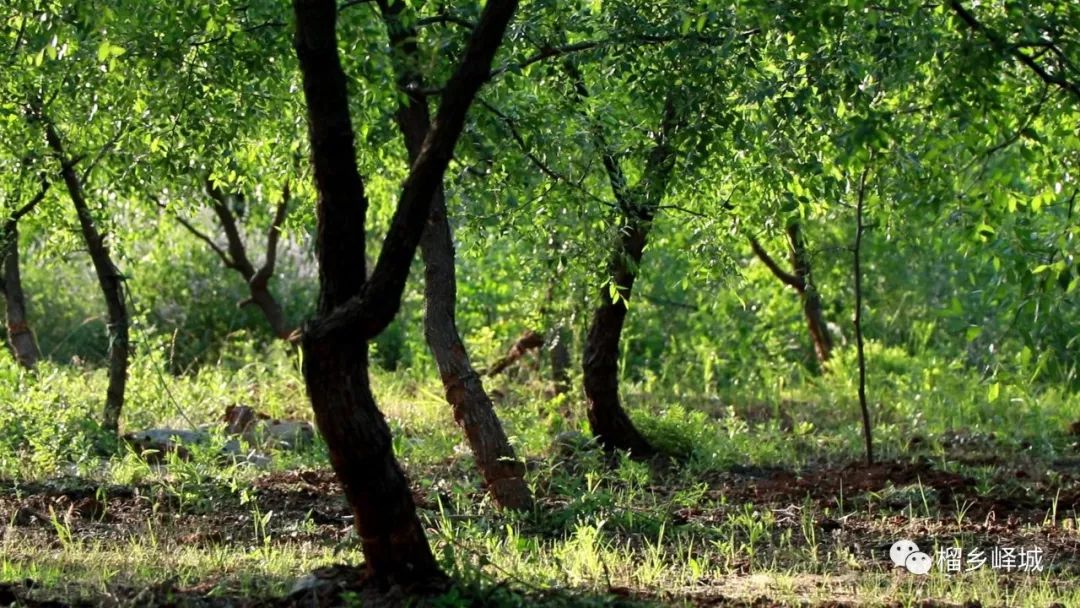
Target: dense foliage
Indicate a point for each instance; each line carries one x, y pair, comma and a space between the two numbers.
749, 145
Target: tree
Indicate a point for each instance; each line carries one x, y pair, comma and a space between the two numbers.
800, 280
110, 280
20, 336
856, 250
472, 407
235, 254
225, 135
65, 72
354, 308
637, 207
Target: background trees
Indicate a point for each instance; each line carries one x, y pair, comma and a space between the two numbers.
630, 180
969, 109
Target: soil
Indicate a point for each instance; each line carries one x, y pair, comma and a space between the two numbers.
850, 506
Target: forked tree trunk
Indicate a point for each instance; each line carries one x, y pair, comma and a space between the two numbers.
336, 366
811, 298
20, 337
472, 407
235, 256
800, 280
354, 309
110, 281
258, 280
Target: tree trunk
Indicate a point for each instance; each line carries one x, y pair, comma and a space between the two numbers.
637, 208
600, 360
358, 438
336, 366
558, 339
811, 299
271, 311
20, 337
110, 281
353, 309
235, 256
473, 410
857, 321
800, 280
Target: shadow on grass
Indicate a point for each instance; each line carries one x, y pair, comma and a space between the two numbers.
327, 587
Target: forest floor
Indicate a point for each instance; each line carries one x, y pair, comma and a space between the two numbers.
996, 513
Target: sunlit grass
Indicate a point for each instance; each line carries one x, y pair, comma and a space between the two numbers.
603, 525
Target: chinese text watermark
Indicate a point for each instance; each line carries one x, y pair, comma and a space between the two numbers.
954, 560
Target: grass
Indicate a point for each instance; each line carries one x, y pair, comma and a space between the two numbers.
761, 498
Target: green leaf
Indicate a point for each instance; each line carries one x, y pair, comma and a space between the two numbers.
108, 51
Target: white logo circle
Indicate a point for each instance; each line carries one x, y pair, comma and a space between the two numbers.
918, 563
900, 551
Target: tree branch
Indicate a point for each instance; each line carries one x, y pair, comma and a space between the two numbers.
103, 150
1001, 45
683, 210
19, 213
516, 135
544, 168
368, 312
784, 276
351, 3
1012, 138
247, 30
658, 301
616, 178
529, 340
273, 235
552, 52
202, 237
445, 17
8, 230
237, 250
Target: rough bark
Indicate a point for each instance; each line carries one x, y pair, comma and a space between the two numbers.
353, 310
109, 279
472, 407
20, 336
637, 208
800, 280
